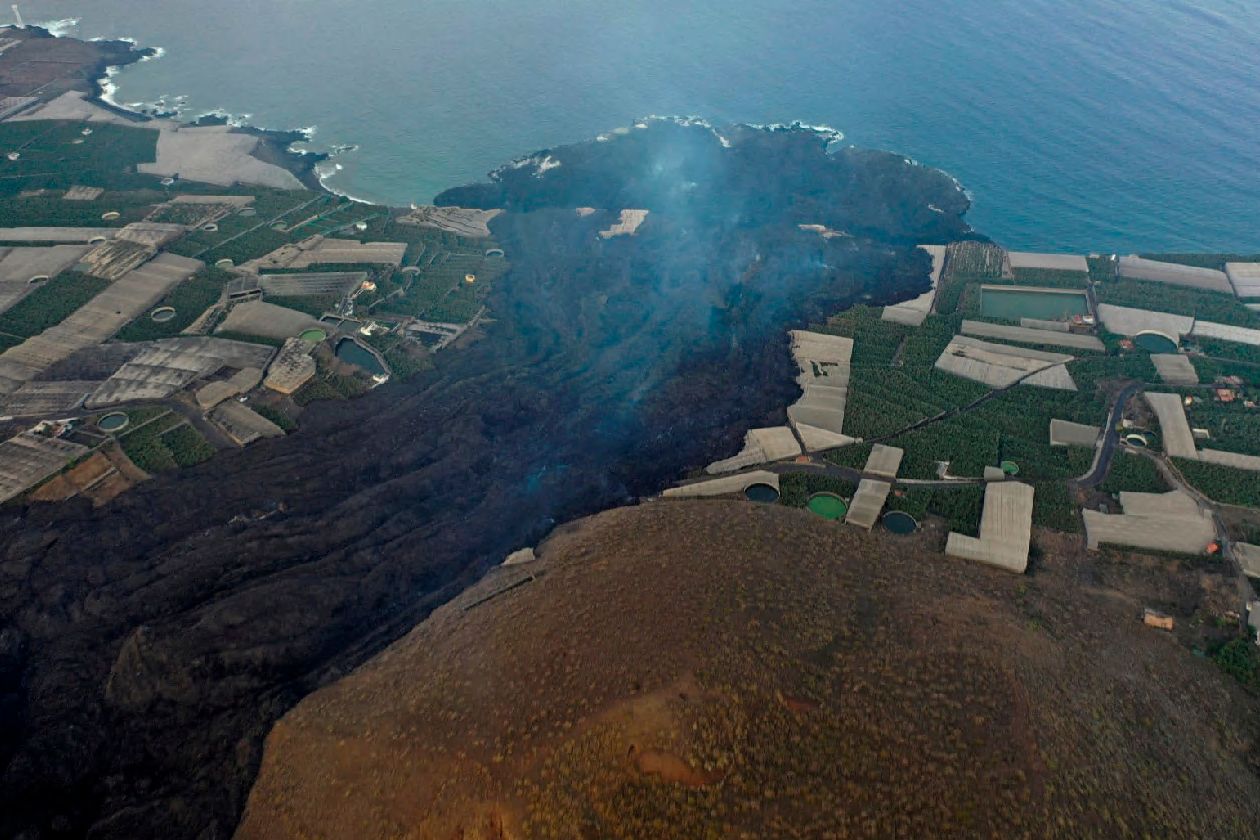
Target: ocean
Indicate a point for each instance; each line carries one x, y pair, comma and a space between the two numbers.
1109, 125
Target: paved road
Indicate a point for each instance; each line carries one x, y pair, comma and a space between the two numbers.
1111, 436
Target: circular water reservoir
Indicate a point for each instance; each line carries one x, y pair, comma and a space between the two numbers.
162, 314
1135, 439
494, 252
111, 215
828, 505
900, 523
315, 336
1010, 468
113, 421
37, 279
224, 263
248, 212
210, 228
763, 493
1153, 342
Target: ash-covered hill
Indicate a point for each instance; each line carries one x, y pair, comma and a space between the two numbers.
718, 669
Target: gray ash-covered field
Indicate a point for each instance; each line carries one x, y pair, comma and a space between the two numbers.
148, 646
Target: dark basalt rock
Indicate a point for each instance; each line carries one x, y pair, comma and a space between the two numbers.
148, 646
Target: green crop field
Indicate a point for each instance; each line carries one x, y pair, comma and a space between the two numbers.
57, 155
1222, 484
1133, 473
1161, 297
190, 299
50, 304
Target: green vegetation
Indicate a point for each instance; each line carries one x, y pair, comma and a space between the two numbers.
1222, 484
1210, 369
1216, 261
1233, 426
912, 500
796, 488
1161, 297
1050, 278
1102, 269
1240, 658
403, 357
329, 385
876, 341
142, 442
189, 299
1133, 473
56, 155
1054, 508
313, 305
50, 304
187, 446
960, 508
276, 416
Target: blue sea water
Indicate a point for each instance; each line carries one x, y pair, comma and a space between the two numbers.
1124, 125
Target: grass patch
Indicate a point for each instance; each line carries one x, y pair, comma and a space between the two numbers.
1054, 508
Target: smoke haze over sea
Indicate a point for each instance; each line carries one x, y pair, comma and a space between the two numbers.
1092, 124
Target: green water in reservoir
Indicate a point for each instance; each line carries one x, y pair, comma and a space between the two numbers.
1155, 343
313, 335
828, 506
1013, 304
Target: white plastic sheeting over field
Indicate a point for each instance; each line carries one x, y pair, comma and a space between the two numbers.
1174, 274
1047, 262
760, 446
1000, 365
1027, 335
1159, 521
1173, 426
913, 312
818, 416
1175, 369
1005, 529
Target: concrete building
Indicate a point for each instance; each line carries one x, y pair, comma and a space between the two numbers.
1005, 529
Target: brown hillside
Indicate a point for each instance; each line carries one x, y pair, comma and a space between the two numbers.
718, 669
